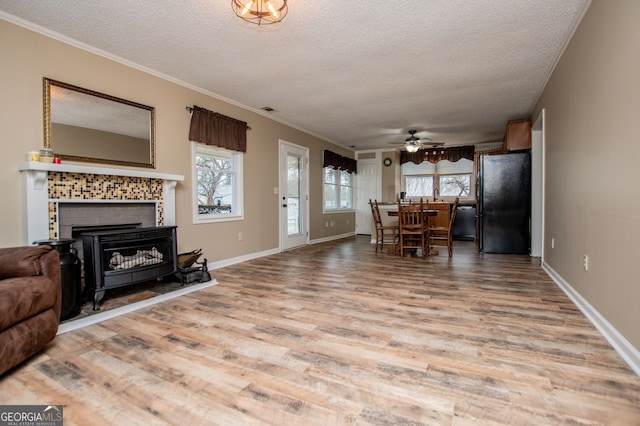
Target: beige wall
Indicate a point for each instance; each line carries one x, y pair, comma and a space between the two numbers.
592, 104
390, 177
27, 57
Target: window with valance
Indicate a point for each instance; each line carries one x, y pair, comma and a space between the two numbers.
339, 162
442, 172
337, 173
212, 128
434, 155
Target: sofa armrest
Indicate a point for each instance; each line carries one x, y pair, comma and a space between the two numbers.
50, 267
22, 261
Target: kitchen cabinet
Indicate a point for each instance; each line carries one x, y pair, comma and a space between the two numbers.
444, 213
517, 136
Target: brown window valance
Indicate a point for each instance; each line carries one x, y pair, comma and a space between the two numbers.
339, 162
213, 128
433, 155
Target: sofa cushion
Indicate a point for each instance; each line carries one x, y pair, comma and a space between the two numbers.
21, 261
22, 298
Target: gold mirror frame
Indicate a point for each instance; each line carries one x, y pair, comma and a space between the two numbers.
90, 126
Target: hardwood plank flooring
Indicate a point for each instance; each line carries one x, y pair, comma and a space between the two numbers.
334, 334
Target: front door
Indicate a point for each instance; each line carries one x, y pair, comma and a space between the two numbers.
293, 196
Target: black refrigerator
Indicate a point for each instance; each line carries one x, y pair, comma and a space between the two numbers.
504, 203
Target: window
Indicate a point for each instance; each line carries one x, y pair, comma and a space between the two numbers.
338, 190
455, 185
418, 186
443, 179
218, 184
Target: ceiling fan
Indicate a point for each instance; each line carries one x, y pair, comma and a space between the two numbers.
414, 143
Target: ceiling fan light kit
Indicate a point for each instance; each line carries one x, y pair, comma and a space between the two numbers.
260, 12
413, 143
412, 147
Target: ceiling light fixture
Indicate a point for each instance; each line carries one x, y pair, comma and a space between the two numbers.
412, 147
260, 12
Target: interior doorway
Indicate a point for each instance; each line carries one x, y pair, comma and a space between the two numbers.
537, 186
367, 188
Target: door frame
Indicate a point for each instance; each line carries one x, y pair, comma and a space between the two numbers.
303, 239
537, 185
362, 203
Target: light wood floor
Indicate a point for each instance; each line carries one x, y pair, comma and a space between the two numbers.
336, 334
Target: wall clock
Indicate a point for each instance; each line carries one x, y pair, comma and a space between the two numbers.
387, 162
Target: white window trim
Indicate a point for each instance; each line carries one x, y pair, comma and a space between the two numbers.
338, 209
239, 186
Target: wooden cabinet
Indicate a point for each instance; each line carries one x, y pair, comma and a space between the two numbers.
517, 136
444, 212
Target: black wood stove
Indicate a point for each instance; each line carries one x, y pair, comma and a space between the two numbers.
119, 258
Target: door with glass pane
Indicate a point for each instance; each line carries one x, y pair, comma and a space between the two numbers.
293, 196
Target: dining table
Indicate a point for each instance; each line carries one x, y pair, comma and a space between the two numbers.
427, 213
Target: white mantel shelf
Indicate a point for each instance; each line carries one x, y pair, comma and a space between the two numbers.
36, 199
96, 170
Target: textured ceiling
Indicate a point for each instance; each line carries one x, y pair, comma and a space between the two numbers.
357, 73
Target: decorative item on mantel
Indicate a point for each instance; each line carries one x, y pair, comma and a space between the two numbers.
33, 156
46, 155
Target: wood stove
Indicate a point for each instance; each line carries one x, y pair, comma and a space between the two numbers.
119, 258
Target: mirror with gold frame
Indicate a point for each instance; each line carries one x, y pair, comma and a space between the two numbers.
88, 126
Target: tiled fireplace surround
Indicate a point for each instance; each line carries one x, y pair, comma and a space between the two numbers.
48, 186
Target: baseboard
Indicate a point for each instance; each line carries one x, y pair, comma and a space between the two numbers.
112, 313
240, 259
251, 256
621, 345
331, 238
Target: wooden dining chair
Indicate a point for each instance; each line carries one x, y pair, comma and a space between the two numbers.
443, 235
385, 234
413, 229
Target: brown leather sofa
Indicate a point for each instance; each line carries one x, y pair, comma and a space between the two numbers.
30, 302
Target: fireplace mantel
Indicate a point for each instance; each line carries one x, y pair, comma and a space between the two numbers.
34, 166
36, 199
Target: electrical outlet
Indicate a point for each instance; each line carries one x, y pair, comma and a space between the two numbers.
240, 236
333, 223
553, 243
585, 262
326, 224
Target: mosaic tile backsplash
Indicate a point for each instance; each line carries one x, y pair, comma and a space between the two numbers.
80, 186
